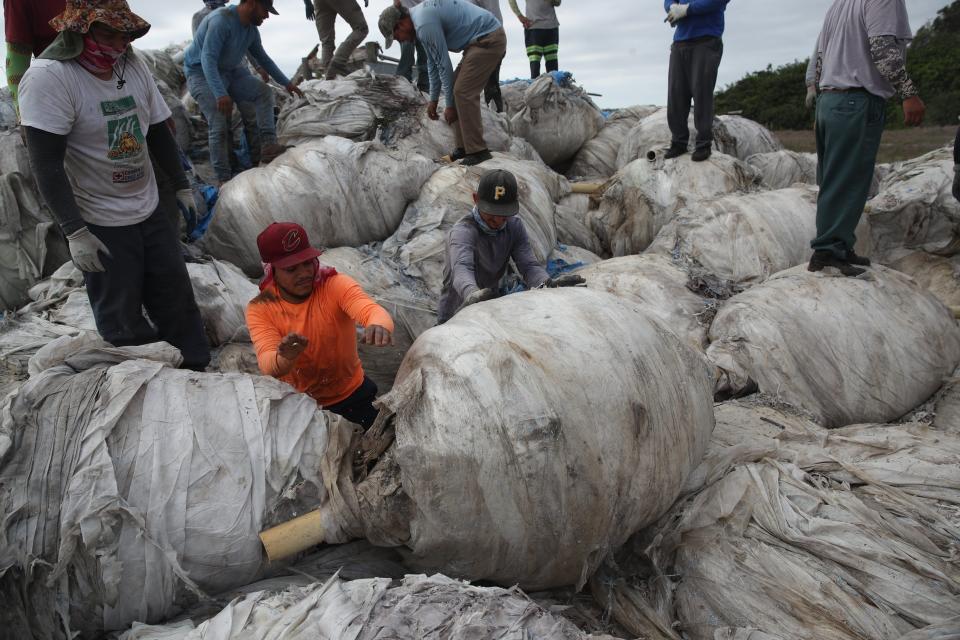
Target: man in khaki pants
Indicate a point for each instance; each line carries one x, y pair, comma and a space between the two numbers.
325, 13
442, 26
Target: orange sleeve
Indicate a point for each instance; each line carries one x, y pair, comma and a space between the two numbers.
358, 305
265, 335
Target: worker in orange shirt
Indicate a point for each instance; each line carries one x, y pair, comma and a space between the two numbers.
303, 325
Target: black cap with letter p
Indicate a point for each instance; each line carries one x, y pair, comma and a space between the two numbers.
497, 193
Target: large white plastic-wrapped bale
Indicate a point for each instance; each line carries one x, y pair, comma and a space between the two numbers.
732, 135
513, 92
572, 226
793, 531
436, 139
408, 303
13, 154
351, 107
915, 208
744, 239
741, 137
519, 467
938, 274
421, 607
847, 350
557, 118
598, 157
163, 66
343, 193
645, 195
419, 243
783, 168
659, 286
8, 114
31, 246
155, 483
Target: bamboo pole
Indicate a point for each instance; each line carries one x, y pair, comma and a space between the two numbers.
585, 187
293, 536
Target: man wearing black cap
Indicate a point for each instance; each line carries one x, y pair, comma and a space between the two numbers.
480, 246
217, 76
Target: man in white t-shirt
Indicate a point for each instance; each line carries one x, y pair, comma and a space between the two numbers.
90, 110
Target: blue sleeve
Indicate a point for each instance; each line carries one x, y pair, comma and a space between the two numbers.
213, 43
256, 50
701, 7
439, 67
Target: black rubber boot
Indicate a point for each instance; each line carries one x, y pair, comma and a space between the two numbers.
822, 259
476, 158
458, 154
701, 154
674, 151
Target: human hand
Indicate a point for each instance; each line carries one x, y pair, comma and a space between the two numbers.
292, 345
525, 21
450, 115
432, 110
294, 90
811, 98
377, 336
480, 295
677, 13
85, 250
188, 208
225, 105
913, 110
565, 280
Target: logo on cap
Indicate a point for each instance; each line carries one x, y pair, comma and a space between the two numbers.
499, 192
291, 241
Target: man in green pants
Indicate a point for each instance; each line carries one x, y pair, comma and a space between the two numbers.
860, 65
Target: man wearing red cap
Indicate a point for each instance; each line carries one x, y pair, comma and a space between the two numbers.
303, 325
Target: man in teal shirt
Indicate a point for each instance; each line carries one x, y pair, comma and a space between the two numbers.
442, 26
216, 75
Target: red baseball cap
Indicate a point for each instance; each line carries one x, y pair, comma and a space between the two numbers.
284, 244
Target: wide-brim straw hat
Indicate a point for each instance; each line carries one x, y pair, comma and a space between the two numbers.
116, 14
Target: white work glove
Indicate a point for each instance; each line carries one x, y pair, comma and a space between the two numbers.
85, 248
811, 96
480, 295
676, 13
188, 208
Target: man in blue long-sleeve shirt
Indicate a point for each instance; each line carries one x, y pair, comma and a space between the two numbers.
216, 75
694, 60
442, 26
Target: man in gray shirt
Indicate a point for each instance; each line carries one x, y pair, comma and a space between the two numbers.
480, 246
541, 33
860, 65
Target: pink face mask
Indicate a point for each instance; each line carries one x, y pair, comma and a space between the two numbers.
98, 57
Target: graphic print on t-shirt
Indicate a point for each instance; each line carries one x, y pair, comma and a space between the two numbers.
125, 140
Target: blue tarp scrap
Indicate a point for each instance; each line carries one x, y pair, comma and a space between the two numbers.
209, 194
513, 283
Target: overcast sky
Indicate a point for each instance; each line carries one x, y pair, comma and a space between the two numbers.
613, 47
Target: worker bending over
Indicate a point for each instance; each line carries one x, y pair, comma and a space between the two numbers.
216, 76
303, 325
860, 65
442, 26
85, 107
480, 246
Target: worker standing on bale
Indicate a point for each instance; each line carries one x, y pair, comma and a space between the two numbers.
303, 325
860, 65
85, 105
216, 77
28, 32
442, 26
491, 92
325, 13
694, 60
481, 245
541, 33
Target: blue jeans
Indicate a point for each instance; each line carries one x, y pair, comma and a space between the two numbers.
405, 67
242, 87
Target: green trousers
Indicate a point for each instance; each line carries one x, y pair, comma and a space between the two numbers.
849, 126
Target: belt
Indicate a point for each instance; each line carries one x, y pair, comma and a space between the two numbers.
849, 90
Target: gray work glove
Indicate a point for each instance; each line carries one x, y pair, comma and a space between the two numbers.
676, 13
188, 208
85, 248
956, 182
565, 280
480, 295
811, 96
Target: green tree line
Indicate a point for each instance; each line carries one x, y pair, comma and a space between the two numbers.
774, 97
